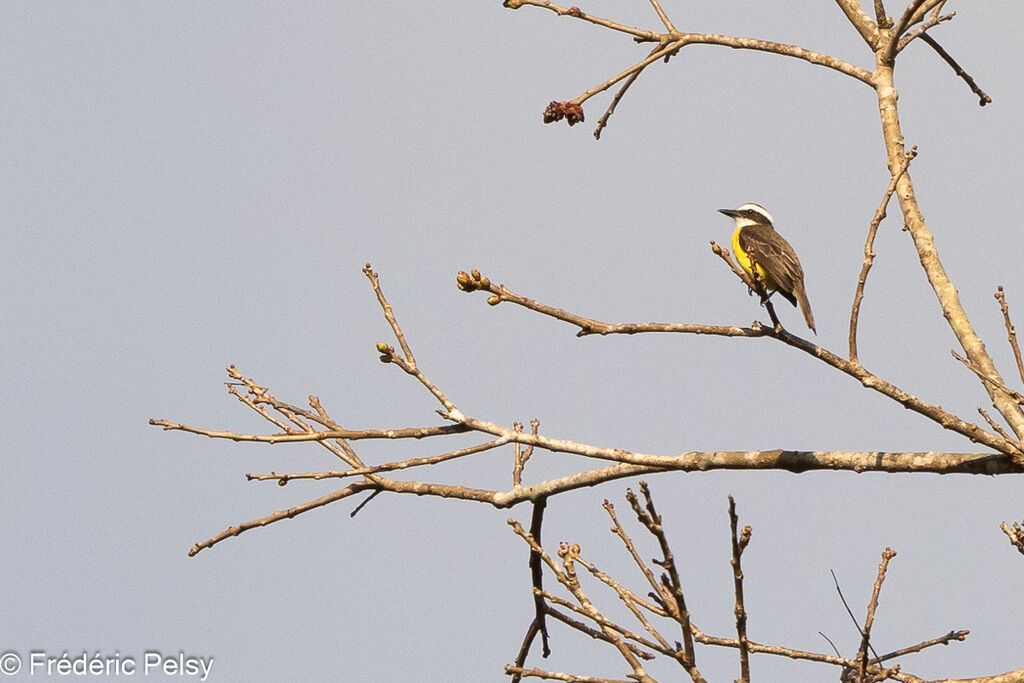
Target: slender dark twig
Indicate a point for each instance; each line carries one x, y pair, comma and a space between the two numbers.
539, 623
739, 544
983, 97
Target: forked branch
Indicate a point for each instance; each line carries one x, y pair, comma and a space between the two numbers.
591, 619
500, 293
296, 424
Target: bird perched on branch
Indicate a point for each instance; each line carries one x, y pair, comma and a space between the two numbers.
758, 246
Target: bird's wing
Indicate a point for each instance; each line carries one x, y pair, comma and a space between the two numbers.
773, 253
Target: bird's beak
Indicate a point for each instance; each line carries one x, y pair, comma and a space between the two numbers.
731, 213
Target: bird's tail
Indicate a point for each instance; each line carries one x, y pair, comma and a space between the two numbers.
805, 305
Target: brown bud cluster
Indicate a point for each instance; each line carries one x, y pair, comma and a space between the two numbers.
570, 111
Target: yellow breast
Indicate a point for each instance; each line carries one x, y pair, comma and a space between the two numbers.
743, 258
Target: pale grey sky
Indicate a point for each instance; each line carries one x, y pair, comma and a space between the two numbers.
188, 185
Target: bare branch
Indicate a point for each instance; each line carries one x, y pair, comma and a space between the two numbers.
1011, 331
349, 490
521, 455
668, 44
672, 588
566, 575
291, 437
992, 423
861, 21
988, 380
389, 314
869, 253
556, 676
862, 653
1015, 534
539, 623
739, 544
647, 36
537, 571
959, 636
881, 19
283, 478
944, 290
933, 21
854, 369
983, 97
913, 14
661, 15
602, 621
603, 121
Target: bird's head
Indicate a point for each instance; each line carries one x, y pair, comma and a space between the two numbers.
749, 214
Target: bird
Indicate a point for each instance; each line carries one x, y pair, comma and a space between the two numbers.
758, 246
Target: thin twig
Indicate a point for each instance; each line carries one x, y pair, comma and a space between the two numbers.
601, 620
558, 676
576, 13
991, 381
589, 326
292, 436
659, 52
671, 584
862, 653
941, 640
842, 598
991, 423
283, 478
633, 603
664, 17
739, 544
983, 97
933, 21
834, 648
679, 40
389, 314
619, 531
521, 455
410, 368
566, 575
849, 611
602, 122
364, 503
538, 625
259, 395
910, 15
291, 512
1011, 331
869, 253
517, 464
